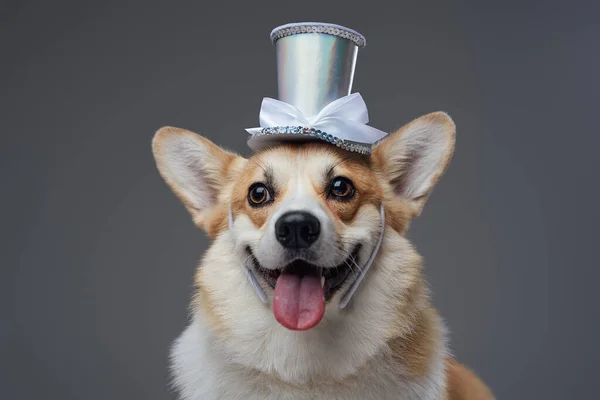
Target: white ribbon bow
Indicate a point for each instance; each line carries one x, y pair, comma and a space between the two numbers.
344, 118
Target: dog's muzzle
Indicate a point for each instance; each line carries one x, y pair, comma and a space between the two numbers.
297, 230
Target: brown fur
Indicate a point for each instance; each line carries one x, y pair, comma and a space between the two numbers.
398, 215
203, 301
414, 349
368, 188
252, 172
215, 221
463, 384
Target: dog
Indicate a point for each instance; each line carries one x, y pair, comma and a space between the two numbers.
302, 219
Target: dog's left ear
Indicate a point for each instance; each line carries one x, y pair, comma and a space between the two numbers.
413, 158
196, 169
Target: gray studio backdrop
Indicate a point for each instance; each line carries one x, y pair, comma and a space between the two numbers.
97, 254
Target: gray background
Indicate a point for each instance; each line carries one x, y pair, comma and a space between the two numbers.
98, 255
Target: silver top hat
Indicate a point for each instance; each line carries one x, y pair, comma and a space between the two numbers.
315, 71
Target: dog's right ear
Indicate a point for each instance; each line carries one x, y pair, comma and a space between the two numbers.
194, 168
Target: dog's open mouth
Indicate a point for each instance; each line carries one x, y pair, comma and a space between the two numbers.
301, 289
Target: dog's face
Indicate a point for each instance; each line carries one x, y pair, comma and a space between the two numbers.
304, 219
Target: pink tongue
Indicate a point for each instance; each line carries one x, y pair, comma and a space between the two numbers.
298, 301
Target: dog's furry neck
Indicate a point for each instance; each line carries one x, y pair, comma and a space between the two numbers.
410, 360
404, 365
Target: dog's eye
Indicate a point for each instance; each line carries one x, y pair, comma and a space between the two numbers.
258, 195
341, 188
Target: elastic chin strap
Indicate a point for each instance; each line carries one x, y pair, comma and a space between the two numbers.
363, 272
351, 290
249, 273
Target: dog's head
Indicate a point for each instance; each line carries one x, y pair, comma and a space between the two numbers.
304, 219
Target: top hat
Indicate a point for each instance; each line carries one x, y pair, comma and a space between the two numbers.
315, 71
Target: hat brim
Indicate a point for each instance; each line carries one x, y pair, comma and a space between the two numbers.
258, 142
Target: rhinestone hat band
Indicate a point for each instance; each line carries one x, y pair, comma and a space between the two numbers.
316, 133
312, 27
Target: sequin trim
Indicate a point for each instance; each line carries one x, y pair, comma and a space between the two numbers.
329, 29
300, 130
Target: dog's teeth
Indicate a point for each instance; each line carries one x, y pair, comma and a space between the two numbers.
322, 281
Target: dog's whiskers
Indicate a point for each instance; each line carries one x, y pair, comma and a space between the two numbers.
351, 258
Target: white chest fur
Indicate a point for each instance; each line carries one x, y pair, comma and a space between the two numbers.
203, 371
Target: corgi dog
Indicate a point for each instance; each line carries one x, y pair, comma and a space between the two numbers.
302, 220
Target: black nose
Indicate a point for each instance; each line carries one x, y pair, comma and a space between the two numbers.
297, 229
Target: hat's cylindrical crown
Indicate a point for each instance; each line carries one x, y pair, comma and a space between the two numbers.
315, 64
